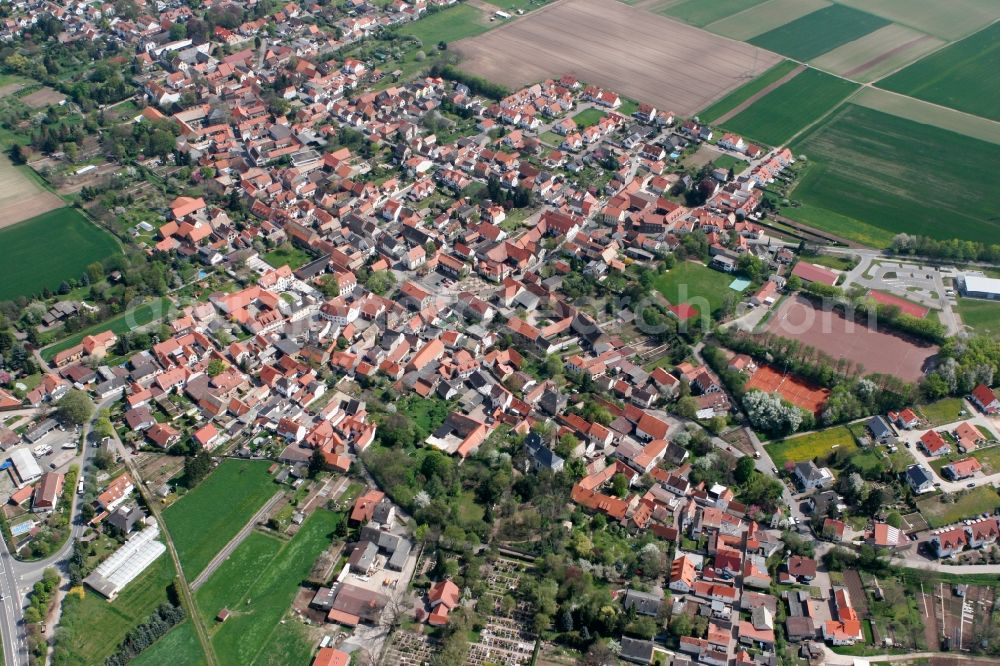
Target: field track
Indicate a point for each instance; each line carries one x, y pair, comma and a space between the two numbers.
756, 96
618, 47
863, 67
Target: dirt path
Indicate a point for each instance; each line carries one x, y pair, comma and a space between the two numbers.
753, 98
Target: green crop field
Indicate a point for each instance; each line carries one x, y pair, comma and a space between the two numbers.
782, 113
981, 316
696, 284
180, 647
964, 75
871, 175
746, 91
983, 499
811, 445
703, 12
230, 581
588, 117
763, 17
260, 606
821, 31
948, 20
448, 25
126, 321
48, 249
91, 628
204, 520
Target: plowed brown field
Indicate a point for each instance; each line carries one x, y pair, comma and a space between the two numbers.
635, 53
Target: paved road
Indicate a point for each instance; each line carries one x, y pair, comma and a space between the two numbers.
17, 578
15, 649
224, 554
911, 437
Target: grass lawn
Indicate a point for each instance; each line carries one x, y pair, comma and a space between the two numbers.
511, 6
989, 456
126, 321
588, 117
836, 261
551, 138
873, 172
868, 462
204, 520
289, 254
448, 25
695, 284
981, 316
628, 107
791, 107
49, 248
983, 499
811, 445
942, 411
701, 13
746, 91
180, 647
730, 162
468, 511
821, 31
91, 628
964, 75
258, 608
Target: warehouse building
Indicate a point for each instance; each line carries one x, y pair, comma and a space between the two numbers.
978, 286
25, 468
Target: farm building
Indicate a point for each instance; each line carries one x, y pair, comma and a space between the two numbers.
977, 286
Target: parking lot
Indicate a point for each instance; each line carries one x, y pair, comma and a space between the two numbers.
55, 458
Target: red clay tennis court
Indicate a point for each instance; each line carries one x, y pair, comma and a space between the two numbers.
789, 387
905, 306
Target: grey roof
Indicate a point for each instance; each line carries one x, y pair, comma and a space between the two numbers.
879, 427
643, 602
918, 476
637, 651
542, 455
808, 470
363, 556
